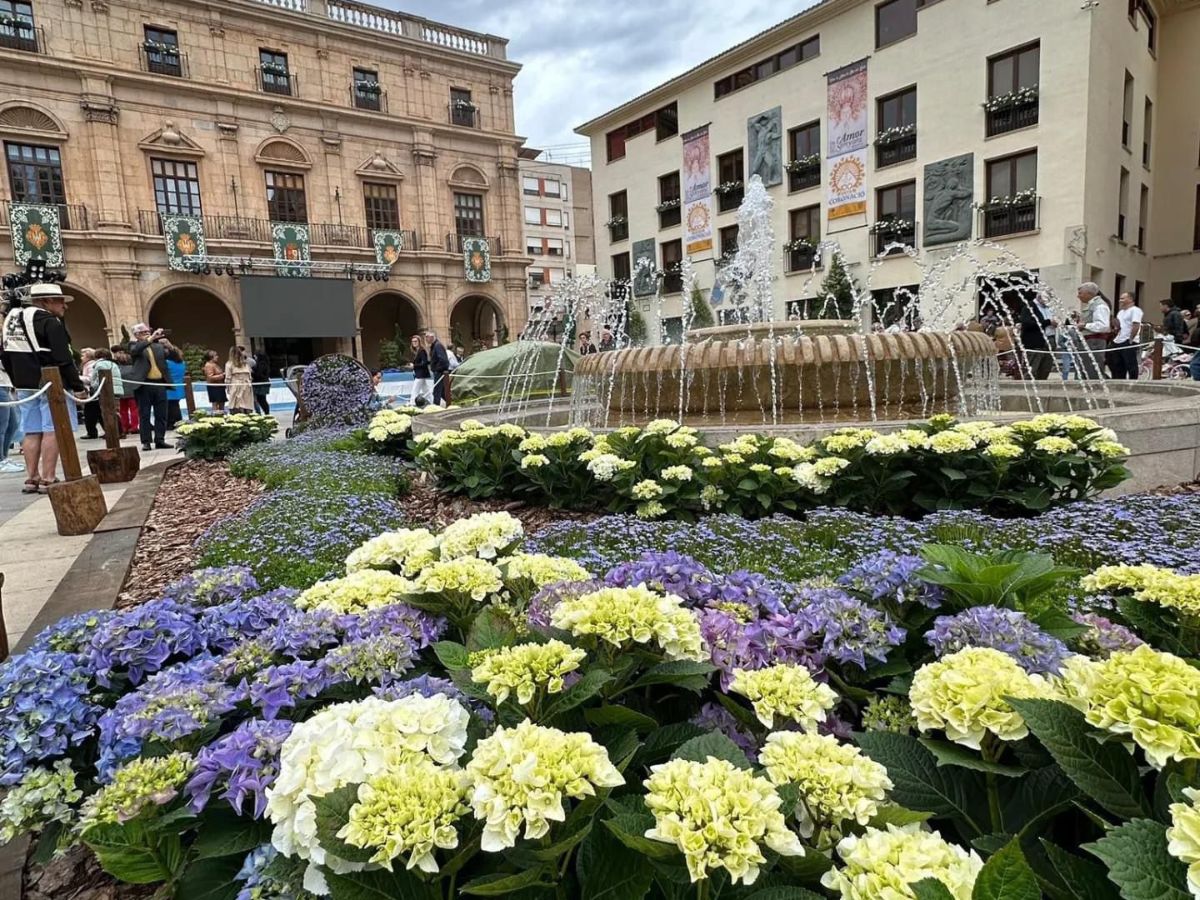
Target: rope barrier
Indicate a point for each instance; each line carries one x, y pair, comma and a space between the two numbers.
30, 398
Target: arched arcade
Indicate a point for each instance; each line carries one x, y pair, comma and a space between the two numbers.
386, 318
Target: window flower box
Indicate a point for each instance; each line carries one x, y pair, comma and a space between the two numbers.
1022, 198
804, 163
368, 87
728, 187
616, 222
668, 205
893, 226
161, 48
1012, 100
271, 68
891, 136
799, 245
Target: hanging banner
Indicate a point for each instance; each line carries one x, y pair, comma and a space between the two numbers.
36, 233
291, 249
697, 191
477, 260
645, 262
388, 245
847, 141
184, 237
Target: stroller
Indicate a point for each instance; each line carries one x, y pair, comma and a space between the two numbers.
291, 377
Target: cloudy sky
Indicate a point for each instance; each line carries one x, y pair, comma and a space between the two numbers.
583, 58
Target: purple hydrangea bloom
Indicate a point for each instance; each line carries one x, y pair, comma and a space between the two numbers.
228, 624
212, 586
1104, 637
747, 588
715, 717
744, 642
141, 640
45, 709
262, 880
308, 631
170, 705
669, 572
277, 688
72, 634
378, 658
851, 631
887, 575
421, 628
244, 763
1006, 630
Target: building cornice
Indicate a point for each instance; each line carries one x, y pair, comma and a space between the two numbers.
747, 51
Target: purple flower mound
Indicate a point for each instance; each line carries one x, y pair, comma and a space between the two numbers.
420, 627
213, 586
277, 688
1006, 630
227, 625
170, 705
888, 575
139, 641
337, 391
744, 642
45, 709
375, 659
851, 631
714, 717
1104, 637
669, 572
543, 602
306, 632
241, 765
72, 634
747, 589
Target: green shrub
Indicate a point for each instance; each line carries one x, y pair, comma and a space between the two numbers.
215, 437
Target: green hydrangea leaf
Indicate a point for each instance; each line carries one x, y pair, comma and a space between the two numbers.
930, 889
714, 744
1007, 876
1139, 864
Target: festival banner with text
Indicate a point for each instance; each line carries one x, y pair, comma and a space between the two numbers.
847, 142
697, 191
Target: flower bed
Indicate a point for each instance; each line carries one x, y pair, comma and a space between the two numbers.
454, 715
664, 470
215, 437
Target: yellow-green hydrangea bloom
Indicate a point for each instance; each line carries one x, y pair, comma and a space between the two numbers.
135, 787
785, 690
951, 442
647, 489
1056, 446
1108, 449
525, 669
485, 535
963, 694
1183, 837
411, 808
43, 795
652, 509
541, 569
881, 864
634, 615
606, 466
1002, 450
888, 445
467, 576
534, 461
1150, 584
837, 782
676, 473
407, 551
355, 593
719, 816
1151, 696
522, 775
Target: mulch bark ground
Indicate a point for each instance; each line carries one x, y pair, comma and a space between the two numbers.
428, 507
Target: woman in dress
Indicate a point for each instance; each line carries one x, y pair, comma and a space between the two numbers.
238, 380
214, 378
422, 390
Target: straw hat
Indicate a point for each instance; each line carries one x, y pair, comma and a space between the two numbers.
48, 291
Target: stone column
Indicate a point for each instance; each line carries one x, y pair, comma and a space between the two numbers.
100, 111
128, 302
432, 236
508, 201
437, 290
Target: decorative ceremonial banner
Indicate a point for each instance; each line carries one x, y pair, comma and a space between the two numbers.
184, 236
848, 185
291, 249
699, 226
477, 260
697, 168
388, 245
847, 143
644, 265
36, 233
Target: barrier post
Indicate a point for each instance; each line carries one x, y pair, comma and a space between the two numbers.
189, 398
114, 464
1156, 359
78, 502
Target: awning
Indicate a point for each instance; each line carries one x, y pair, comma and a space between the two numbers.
297, 307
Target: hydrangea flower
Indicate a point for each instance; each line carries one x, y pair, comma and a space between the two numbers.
260, 881
622, 617
136, 787
669, 572
1056, 446
46, 794
885, 862
141, 640
1103, 636
887, 712
852, 631
554, 766
410, 809
228, 624
372, 659
719, 816
403, 552
947, 442
242, 765
525, 669
421, 628
484, 535
1183, 837
540, 570
1149, 696
715, 717
355, 593
537, 613
785, 690
212, 586
71, 634
837, 783
1150, 584
1006, 630
281, 687
468, 577
888, 575
964, 695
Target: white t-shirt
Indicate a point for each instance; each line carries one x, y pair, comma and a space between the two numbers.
1127, 319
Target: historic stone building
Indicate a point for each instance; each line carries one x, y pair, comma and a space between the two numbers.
1064, 134
335, 120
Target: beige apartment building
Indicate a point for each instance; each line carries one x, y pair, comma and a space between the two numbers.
559, 233
349, 143
1064, 134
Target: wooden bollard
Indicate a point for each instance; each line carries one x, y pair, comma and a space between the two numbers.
1156, 359
114, 464
78, 502
189, 398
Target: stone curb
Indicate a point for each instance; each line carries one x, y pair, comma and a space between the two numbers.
93, 582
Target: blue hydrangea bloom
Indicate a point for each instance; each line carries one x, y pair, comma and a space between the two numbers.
241, 766
1006, 630
139, 641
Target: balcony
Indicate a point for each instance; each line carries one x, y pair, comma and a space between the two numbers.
801, 256
886, 233
1011, 117
672, 279
891, 150
803, 175
464, 116
366, 97
729, 195
454, 243
239, 229
372, 18
670, 213
1006, 217
618, 229
284, 83
71, 216
17, 34
162, 59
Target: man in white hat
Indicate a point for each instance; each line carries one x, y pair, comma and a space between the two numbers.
36, 336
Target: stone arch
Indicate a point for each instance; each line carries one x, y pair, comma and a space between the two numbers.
87, 320
477, 321
385, 316
282, 151
194, 314
25, 117
469, 176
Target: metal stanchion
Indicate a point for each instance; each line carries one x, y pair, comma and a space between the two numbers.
114, 464
78, 502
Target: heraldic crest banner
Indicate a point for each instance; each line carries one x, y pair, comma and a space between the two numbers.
291, 249
36, 233
388, 245
184, 237
477, 260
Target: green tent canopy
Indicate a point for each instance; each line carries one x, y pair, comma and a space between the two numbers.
481, 378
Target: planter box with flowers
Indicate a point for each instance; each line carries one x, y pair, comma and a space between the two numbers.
804, 172
728, 187
889, 137
1022, 198
729, 195
804, 163
1012, 100
616, 222
801, 254
368, 87
1015, 214
668, 205
893, 227
888, 232
160, 48
270, 68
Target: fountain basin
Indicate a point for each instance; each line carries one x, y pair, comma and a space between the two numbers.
805, 378
771, 330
